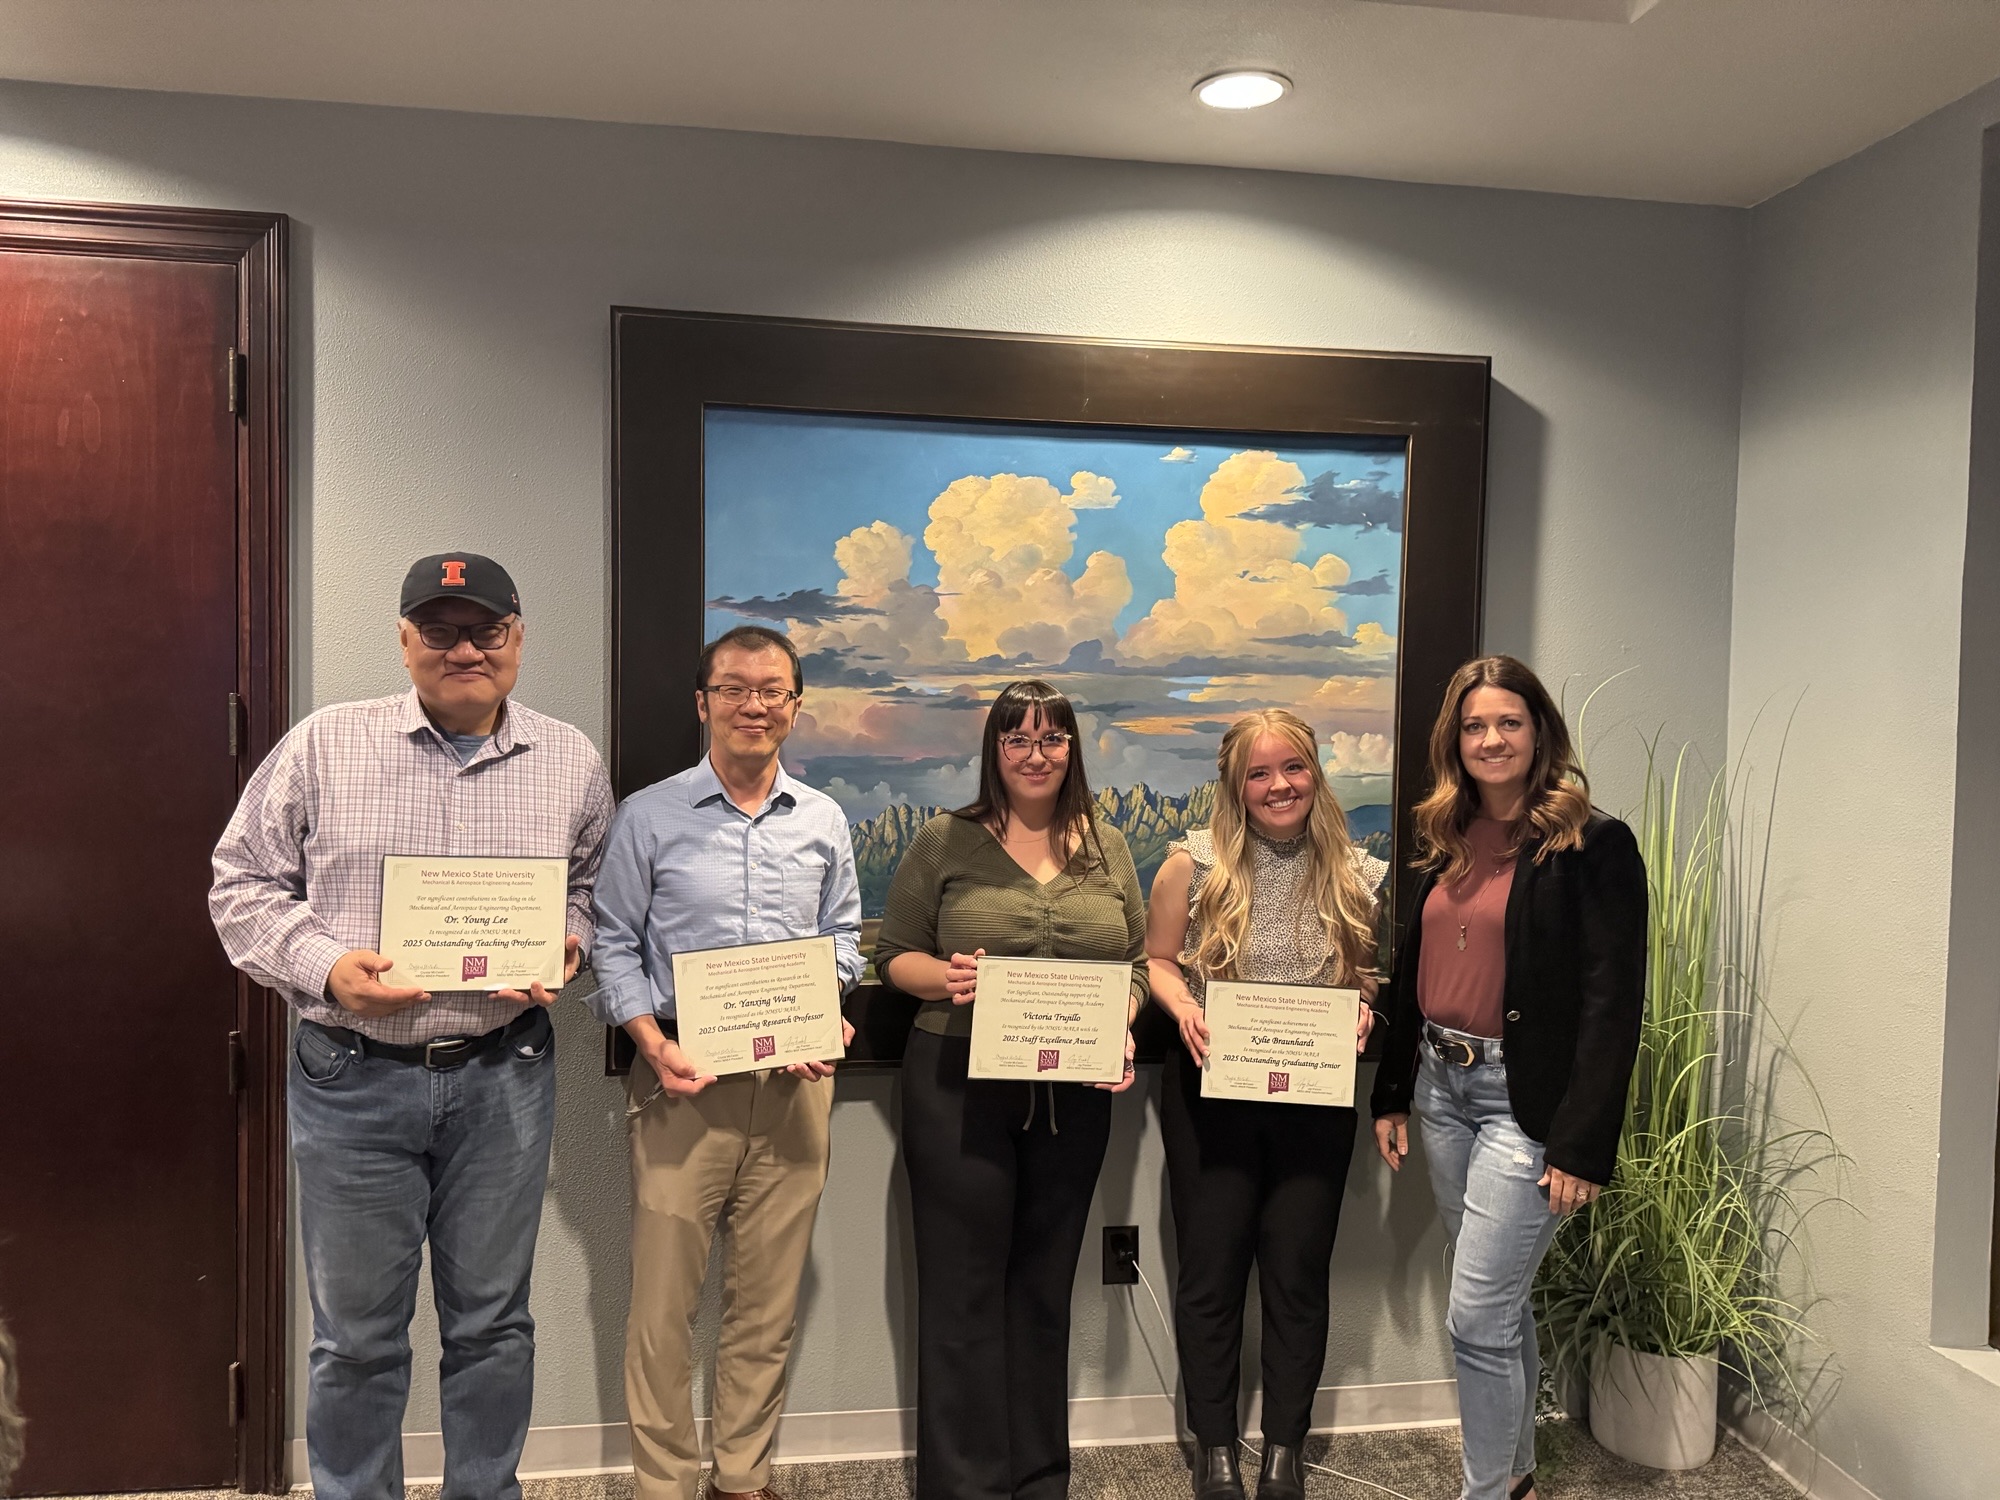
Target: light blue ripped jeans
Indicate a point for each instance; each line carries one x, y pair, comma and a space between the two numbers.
1484, 1170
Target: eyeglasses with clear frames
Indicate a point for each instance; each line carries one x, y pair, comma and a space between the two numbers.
735, 695
488, 635
1054, 745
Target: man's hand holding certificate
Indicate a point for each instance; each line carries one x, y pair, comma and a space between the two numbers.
1292, 1043
761, 1005
475, 924
1050, 1019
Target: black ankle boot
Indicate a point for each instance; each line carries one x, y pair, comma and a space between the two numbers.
1284, 1474
1216, 1476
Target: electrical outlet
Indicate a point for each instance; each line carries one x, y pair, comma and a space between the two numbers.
1121, 1254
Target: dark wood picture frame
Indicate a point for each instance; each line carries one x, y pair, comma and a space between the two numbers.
256, 245
669, 367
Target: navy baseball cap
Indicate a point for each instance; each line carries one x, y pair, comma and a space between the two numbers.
460, 575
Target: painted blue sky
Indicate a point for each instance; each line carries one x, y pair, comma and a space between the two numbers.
1167, 580
796, 482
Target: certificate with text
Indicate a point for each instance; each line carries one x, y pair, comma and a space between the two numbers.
474, 924
760, 1005
1289, 1043
1054, 1019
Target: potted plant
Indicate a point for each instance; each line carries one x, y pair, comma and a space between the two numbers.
1671, 1273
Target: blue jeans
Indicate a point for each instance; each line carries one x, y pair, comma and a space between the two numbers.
1484, 1170
388, 1154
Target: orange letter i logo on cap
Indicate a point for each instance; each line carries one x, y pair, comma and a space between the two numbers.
454, 575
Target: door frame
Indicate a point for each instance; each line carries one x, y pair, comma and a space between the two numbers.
256, 245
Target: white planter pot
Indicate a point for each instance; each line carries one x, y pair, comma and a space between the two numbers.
1653, 1410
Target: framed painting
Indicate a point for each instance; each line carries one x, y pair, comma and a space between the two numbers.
1172, 535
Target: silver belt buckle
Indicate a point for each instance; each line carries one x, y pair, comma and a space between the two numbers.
430, 1048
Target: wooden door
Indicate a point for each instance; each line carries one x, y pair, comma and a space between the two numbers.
123, 618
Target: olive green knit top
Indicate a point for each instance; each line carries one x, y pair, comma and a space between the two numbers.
957, 890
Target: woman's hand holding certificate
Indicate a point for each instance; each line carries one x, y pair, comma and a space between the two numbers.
1051, 1019
1293, 1043
760, 1005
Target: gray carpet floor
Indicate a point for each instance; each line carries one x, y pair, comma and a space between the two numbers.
1421, 1463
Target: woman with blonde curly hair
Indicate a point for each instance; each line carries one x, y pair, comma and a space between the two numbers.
1513, 1023
1275, 891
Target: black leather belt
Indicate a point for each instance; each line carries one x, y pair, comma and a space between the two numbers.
441, 1054
1460, 1051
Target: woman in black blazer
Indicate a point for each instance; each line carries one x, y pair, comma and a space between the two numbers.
1513, 1022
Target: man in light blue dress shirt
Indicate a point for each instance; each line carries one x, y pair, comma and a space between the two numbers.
731, 851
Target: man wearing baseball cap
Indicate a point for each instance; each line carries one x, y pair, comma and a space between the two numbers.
415, 1114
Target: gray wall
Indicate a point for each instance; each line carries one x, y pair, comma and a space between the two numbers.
1850, 568
453, 274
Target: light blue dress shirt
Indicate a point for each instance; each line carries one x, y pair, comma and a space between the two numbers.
685, 868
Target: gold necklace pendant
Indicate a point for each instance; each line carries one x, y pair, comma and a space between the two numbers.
1461, 937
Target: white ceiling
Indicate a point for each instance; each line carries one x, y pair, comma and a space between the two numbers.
1710, 101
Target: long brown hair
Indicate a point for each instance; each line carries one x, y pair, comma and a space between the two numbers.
1345, 907
1075, 818
1558, 799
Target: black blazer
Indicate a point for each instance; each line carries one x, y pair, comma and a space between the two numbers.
1576, 986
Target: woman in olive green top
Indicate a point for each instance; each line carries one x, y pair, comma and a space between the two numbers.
1001, 1173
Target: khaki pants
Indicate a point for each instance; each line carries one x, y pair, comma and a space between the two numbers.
753, 1145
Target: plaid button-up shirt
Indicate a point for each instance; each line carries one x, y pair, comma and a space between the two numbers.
298, 874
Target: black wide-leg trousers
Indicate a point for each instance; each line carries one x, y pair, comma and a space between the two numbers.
1251, 1183
1001, 1177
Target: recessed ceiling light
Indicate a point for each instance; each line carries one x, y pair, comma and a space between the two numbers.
1245, 88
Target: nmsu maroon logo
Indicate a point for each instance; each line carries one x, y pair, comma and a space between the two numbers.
1280, 1083
1047, 1058
474, 967
762, 1047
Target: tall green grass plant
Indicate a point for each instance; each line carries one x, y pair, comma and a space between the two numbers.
1680, 1255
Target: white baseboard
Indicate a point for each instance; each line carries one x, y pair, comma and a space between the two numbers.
1808, 1470
1104, 1421
1380, 1408
891, 1432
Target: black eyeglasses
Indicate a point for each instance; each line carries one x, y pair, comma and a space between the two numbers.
734, 695
1053, 745
489, 635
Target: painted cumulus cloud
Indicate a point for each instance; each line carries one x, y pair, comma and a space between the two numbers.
920, 566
